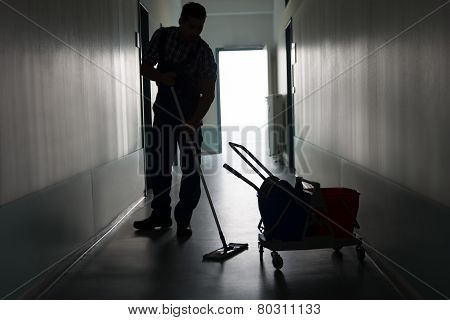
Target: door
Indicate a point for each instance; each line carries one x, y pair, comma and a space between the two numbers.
290, 97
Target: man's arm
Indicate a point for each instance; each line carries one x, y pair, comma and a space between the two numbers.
149, 71
207, 90
151, 58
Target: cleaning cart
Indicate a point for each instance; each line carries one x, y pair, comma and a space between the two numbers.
303, 217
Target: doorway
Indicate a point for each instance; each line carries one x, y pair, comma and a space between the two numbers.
242, 90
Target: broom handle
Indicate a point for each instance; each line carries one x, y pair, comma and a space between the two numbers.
200, 172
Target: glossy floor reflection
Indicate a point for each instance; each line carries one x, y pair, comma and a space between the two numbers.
156, 265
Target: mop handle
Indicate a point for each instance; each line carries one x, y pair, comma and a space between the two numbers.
200, 172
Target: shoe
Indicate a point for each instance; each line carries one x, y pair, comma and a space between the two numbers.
154, 221
184, 231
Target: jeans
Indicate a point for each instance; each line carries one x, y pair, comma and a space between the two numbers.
164, 137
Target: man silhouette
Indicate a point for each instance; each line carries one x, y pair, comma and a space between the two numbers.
185, 62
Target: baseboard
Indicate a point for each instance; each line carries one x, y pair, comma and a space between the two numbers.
37, 287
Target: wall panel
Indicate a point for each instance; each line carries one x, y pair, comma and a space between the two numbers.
70, 90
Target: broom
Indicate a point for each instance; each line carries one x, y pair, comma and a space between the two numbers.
227, 250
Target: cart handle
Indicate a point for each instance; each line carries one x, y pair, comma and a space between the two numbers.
240, 176
235, 147
315, 184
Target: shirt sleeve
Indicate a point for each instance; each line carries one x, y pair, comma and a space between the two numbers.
151, 53
208, 69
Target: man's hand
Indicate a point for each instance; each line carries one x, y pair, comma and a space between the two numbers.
168, 78
192, 124
189, 130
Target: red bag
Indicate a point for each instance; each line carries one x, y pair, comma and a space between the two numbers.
341, 208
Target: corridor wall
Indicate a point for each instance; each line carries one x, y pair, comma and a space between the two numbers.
70, 126
371, 113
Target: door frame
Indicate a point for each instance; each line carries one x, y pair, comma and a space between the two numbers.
145, 91
290, 116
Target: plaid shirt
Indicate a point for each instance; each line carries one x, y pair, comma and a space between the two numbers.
176, 51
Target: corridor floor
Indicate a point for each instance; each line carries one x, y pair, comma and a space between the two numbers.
132, 264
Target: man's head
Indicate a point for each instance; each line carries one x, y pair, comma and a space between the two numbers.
192, 19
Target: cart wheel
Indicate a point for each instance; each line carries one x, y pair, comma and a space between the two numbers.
360, 252
277, 261
337, 248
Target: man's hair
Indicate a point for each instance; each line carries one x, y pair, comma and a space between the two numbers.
193, 10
